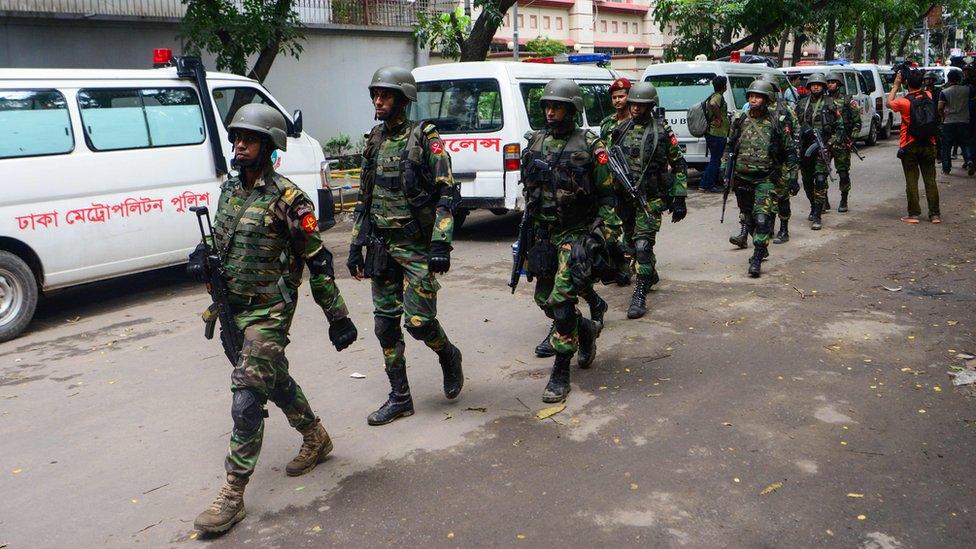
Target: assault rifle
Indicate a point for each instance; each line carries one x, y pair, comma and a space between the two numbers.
215, 275
536, 168
621, 172
729, 175
822, 150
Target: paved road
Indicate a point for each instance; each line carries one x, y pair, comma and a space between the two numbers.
114, 410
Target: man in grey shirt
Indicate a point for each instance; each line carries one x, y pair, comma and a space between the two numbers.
954, 111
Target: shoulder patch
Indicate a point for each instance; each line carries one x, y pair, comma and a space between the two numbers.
436, 146
601, 156
309, 223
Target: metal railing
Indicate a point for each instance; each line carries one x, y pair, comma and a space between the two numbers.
370, 13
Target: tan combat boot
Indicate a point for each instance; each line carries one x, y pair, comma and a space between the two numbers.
315, 447
225, 511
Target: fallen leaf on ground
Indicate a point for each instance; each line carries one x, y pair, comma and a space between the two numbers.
479, 409
546, 413
299, 489
855, 495
450, 535
726, 423
316, 529
17, 471
952, 322
771, 488
357, 375
73, 320
519, 536
861, 517
892, 288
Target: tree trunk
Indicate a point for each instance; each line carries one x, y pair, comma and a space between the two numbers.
475, 48
875, 44
782, 46
270, 51
830, 42
904, 42
798, 39
859, 44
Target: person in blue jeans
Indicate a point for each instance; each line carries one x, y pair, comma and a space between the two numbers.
717, 134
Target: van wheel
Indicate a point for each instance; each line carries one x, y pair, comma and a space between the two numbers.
460, 215
18, 295
885, 132
872, 137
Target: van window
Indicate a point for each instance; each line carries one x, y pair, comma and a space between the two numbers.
678, 92
868, 82
738, 85
115, 119
35, 123
460, 106
228, 100
887, 80
531, 94
851, 83
596, 100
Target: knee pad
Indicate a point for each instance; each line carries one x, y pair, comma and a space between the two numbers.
644, 251
845, 178
247, 409
820, 181
424, 331
285, 394
564, 318
743, 197
764, 223
387, 331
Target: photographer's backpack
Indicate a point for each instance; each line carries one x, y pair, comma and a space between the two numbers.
924, 120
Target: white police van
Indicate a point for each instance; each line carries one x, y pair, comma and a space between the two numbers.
101, 167
856, 86
680, 85
483, 111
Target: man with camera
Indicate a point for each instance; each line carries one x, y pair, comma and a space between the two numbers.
916, 144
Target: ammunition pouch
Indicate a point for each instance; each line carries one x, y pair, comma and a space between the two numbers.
411, 178
543, 259
379, 264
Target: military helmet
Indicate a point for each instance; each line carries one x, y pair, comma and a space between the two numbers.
262, 119
771, 78
643, 92
931, 75
835, 76
763, 88
817, 78
563, 91
395, 78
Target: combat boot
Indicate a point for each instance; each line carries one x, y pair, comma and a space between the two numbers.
544, 348
587, 343
755, 262
817, 223
558, 386
225, 511
598, 307
315, 446
742, 239
638, 303
784, 232
399, 404
450, 359
842, 208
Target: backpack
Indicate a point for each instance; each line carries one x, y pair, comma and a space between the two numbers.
924, 121
698, 118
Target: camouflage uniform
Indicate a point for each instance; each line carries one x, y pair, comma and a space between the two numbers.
811, 112
765, 151
265, 256
658, 186
851, 115
607, 125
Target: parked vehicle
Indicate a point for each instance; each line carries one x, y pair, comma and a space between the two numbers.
102, 166
878, 86
484, 111
857, 87
683, 84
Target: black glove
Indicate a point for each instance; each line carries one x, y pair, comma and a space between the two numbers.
356, 261
794, 186
678, 209
342, 333
439, 257
197, 266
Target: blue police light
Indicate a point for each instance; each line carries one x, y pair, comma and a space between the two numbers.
589, 58
838, 62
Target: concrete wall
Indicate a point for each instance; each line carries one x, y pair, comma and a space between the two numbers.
328, 82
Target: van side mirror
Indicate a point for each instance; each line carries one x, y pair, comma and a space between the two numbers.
296, 125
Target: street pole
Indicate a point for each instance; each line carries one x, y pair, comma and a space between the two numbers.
925, 41
515, 46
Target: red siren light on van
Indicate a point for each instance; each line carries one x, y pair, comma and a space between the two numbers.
735, 56
162, 57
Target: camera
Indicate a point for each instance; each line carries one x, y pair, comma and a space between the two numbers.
901, 67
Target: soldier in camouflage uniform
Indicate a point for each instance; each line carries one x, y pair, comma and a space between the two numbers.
266, 231
405, 224
817, 111
851, 114
651, 148
570, 198
787, 119
765, 149
618, 97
